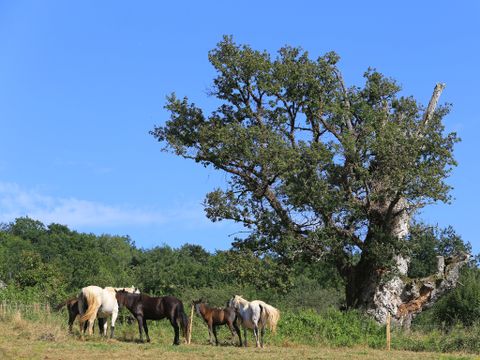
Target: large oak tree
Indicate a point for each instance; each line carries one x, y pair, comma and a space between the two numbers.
319, 169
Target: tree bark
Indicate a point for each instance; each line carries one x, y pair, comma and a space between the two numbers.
401, 297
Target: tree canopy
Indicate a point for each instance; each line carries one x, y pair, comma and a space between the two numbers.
315, 167
307, 156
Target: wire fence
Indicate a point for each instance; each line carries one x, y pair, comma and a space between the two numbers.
36, 309
7, 308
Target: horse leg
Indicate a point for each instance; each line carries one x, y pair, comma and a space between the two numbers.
91, 322
71, 319
105, 327
210, 331
230, 327
83, 327
112, 324
209, 335
101, 325
176, 339
145, 327
262, 334
245, 336
255, 332
215, 334
237, 330
140, 324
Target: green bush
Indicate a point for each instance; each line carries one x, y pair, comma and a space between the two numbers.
457, 339
460, 306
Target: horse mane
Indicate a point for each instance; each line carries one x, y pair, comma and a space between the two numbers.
128, 296
208, 307
132, 289
240, 299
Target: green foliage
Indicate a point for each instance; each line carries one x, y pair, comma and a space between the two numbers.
457, 339
427, 242
332, 328
461, 306
48, 263
55, 261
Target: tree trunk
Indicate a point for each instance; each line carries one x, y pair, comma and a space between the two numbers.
379, 291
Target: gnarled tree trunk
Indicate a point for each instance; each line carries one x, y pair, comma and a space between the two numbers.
401, 297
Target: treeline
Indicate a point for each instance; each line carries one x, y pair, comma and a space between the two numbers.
48, 263
51, 262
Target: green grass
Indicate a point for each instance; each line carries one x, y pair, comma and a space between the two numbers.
304, 332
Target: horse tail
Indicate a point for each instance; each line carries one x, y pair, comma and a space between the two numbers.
93, 305
67, 303
183, 320
61, 305
262, 314
272, 316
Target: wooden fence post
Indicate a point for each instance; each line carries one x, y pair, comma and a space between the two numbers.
388, 332
190, 324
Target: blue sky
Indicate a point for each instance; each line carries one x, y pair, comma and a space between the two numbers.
82, 83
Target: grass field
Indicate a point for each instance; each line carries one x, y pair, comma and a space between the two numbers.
48, 339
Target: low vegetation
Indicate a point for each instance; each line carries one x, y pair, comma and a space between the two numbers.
305, 334
48, 264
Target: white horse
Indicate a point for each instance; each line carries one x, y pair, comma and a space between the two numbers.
93, 302
255, 315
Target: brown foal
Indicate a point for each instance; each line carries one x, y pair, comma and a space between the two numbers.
217, 316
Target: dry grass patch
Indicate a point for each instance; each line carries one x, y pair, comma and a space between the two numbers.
44, 329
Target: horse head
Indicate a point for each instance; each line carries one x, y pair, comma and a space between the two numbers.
235, 301
132, 290
120, 295
196, 304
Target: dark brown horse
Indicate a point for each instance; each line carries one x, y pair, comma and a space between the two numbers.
217, 316
73, 312
145, 307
